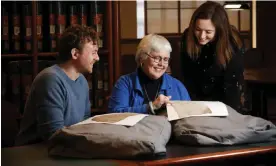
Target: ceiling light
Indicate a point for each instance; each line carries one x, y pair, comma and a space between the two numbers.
236, 5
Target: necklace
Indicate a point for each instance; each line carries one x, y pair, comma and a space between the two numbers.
155, 94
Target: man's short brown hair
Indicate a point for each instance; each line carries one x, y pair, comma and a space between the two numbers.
75, 37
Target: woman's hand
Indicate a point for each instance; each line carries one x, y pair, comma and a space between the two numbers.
160, 101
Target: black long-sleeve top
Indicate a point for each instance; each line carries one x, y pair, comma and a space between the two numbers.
206, 80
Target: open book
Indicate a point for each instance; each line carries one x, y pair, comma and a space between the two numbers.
183, 109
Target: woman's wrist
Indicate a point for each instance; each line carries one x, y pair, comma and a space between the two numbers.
152, 108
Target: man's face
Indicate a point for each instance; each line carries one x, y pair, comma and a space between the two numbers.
204, 31
88, 56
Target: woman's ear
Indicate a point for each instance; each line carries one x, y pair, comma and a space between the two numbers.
141, 61
74, 53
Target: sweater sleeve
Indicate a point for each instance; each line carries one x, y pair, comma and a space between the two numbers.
50, 99
87, 113
120, 99
88, 107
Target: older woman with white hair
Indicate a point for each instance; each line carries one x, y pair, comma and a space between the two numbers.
149, 88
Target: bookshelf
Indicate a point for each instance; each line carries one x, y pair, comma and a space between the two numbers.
33, 27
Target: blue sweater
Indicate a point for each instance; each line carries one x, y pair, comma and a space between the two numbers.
54, 101
127, 94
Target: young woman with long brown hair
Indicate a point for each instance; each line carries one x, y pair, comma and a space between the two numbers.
212, 57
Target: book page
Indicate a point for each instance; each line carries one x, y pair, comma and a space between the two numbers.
125, 119
183, 109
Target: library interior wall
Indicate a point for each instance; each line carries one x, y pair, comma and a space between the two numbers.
128, 19
128, 30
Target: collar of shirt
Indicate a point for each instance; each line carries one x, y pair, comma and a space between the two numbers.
164, 86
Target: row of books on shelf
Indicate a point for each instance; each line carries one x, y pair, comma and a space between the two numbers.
15, 87
98, 83
51, 20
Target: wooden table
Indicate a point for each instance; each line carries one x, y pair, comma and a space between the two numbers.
262, 82
261, 75
176, 155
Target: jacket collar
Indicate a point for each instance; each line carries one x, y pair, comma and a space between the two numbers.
166, 83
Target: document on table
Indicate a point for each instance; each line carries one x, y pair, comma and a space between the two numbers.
183, 109
125, 119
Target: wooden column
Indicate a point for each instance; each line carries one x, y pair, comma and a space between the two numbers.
34, 46
109, 42
116, 40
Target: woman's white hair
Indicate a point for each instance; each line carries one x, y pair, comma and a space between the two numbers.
152, 43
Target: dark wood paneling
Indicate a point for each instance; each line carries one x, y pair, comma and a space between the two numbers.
128, 64
266, 36
266, 33
175, 63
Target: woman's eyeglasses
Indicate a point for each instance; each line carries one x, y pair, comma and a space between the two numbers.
158, 59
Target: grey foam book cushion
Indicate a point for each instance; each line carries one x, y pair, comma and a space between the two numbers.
148, 137
230, 130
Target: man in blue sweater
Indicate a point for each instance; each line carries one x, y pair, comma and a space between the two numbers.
59, 94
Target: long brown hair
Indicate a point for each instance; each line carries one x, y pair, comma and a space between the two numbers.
225, 33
